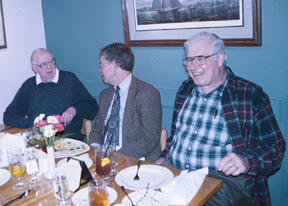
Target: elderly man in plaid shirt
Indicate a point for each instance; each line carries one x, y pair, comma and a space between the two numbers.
225, 123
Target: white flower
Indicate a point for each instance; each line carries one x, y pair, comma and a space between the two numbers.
52, 120
40, 117
48, 131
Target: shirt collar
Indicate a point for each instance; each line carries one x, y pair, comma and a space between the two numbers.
219, 90
55, 80
124, 86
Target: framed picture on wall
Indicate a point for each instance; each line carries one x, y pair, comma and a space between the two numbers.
3, 43
172, 22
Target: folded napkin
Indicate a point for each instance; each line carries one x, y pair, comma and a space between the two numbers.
83, 157
184, 187
10, 140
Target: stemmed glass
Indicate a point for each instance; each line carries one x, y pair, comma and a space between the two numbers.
61, 187
16, 166
32, 164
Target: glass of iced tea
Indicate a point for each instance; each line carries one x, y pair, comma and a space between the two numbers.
103, 162
98, 195
16, 166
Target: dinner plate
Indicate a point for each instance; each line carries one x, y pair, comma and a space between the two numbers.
69, 147
4, 176
63, 162
80, 198
151, 176
144, 198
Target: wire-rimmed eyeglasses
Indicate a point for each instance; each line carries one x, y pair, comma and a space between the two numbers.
44, 65
198, 59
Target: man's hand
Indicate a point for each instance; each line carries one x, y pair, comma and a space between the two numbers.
232, 164
68, 115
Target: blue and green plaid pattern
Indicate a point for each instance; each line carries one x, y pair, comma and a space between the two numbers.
201, 138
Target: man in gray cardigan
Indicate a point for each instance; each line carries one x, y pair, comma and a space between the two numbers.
140, 106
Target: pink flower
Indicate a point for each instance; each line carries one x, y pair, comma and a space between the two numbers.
41, 123
59, 118
58, 126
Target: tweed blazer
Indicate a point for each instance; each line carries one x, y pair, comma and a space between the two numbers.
142, 120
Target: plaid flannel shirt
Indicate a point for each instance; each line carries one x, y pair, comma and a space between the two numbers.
253, 130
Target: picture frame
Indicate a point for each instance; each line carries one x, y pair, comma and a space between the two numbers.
248, 34
3, 43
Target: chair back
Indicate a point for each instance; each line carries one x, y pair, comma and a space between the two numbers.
86, 129
163, 139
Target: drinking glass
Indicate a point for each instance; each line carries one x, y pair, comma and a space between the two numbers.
97, 193
112, 149
61, 188
103, 162
16, 166
32, 164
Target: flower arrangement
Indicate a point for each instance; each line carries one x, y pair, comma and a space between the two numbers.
45, 132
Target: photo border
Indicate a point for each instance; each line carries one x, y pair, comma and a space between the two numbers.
129, 29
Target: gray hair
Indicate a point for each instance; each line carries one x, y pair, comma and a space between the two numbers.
217, 44
35, 51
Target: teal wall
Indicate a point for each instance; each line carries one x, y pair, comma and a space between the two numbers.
76, 30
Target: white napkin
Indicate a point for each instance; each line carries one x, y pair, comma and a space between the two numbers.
83, 157
184, 187
10, 140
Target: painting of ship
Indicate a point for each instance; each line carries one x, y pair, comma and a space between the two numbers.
166, 5
182, 11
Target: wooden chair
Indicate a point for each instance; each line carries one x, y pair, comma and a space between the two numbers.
163, 139
86, 129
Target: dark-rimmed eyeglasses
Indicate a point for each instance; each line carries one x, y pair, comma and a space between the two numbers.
198, 59
44, 65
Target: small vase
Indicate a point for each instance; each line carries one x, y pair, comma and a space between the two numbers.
51, 162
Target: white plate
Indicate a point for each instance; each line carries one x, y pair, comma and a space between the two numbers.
4, 176
80, 198
63, 162
142, 198
154, 175
69, 147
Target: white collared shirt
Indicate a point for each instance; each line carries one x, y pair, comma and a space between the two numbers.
55, 80
124, 89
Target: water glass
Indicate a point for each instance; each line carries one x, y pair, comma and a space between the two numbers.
112, 149
16, 166
103, 162
32, 164
61, 187
97, 193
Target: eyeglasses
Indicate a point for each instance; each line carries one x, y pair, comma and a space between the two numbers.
44, 65
198, 59
102, 64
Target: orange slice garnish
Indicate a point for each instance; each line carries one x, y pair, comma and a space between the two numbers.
105, 161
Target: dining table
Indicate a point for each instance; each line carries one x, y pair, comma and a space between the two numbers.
44, 194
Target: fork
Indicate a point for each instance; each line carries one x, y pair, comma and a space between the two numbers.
138, 166
123, 189
21, 196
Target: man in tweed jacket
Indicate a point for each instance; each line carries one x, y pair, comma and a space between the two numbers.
140, 110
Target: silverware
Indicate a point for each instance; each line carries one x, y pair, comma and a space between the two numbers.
7, 128
138, 166
123, 189
21, 196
